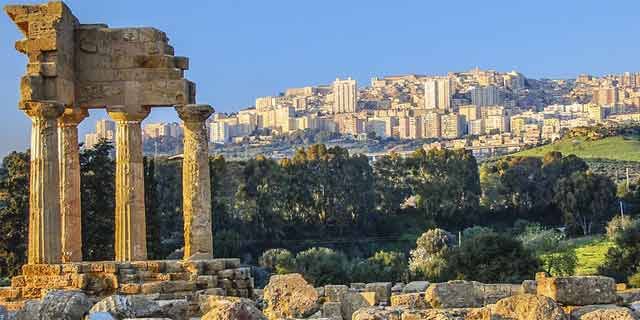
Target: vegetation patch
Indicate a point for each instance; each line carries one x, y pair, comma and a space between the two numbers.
624, 148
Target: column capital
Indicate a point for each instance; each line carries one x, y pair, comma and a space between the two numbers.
72, 117
128, 113
43, 109
194, 112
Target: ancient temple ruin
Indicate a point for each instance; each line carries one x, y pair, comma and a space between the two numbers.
73, 67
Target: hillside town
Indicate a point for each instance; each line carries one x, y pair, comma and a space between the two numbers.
485, 111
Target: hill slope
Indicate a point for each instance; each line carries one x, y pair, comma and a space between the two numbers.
625, 148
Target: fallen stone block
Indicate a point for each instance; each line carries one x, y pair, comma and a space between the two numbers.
332, 292
416, 287
410, 301
577, 291
289, 296
382, 290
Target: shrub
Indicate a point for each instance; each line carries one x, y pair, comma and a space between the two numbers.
435, 241
428, 260
562, 263
388, 266
540, 240
618, 224
280, 261
634, 280
470, 233
621, 261
492, 258
323, 266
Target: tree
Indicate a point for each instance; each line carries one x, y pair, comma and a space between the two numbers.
152, 214
446, 182
492, 258
585, 199
97, 180
622, 260
391, 185
14, 212
429, 258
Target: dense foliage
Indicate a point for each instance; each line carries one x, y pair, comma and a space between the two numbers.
338, 217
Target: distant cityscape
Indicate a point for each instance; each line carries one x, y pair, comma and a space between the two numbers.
482, 110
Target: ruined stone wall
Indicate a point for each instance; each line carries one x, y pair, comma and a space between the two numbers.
94, 66
158, 280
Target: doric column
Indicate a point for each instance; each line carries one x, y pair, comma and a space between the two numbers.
131, 231
196, 182
44, 195
70, 183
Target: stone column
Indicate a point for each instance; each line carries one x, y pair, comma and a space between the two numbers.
131, 231
44, 194
196, 182
70, 183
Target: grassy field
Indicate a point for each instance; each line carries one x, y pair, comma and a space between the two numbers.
614, 148
590, 252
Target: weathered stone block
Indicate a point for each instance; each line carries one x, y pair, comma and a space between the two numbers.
332, 292
214, 266
409, 300
178, 285
242, 273
227, 274
416, 287
10, 294
577, 291
382, 290
41, 269
18, 281
332, 310
130, 288
151, 287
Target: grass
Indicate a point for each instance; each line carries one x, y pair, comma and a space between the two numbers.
590, 252
626, 148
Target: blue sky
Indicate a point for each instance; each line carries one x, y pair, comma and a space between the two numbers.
242, 49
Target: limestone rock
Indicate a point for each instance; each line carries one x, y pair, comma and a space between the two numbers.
290, 296
416, 287
635, 306
128, 307
56, 305
332, 292
409, 300
397, 288
332, 310
100, 316
174, 309
467, 294
378, 313
578, 291
578, 311
529, 287
436, 314
382, 290
226, 308
617, 313
351, 302
629, 296
453, 294
525, 307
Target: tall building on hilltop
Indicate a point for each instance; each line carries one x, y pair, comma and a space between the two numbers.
345, 95
438, 93
486, 96
607, 96
105, 129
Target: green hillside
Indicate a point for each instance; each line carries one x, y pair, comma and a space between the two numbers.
626, 148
